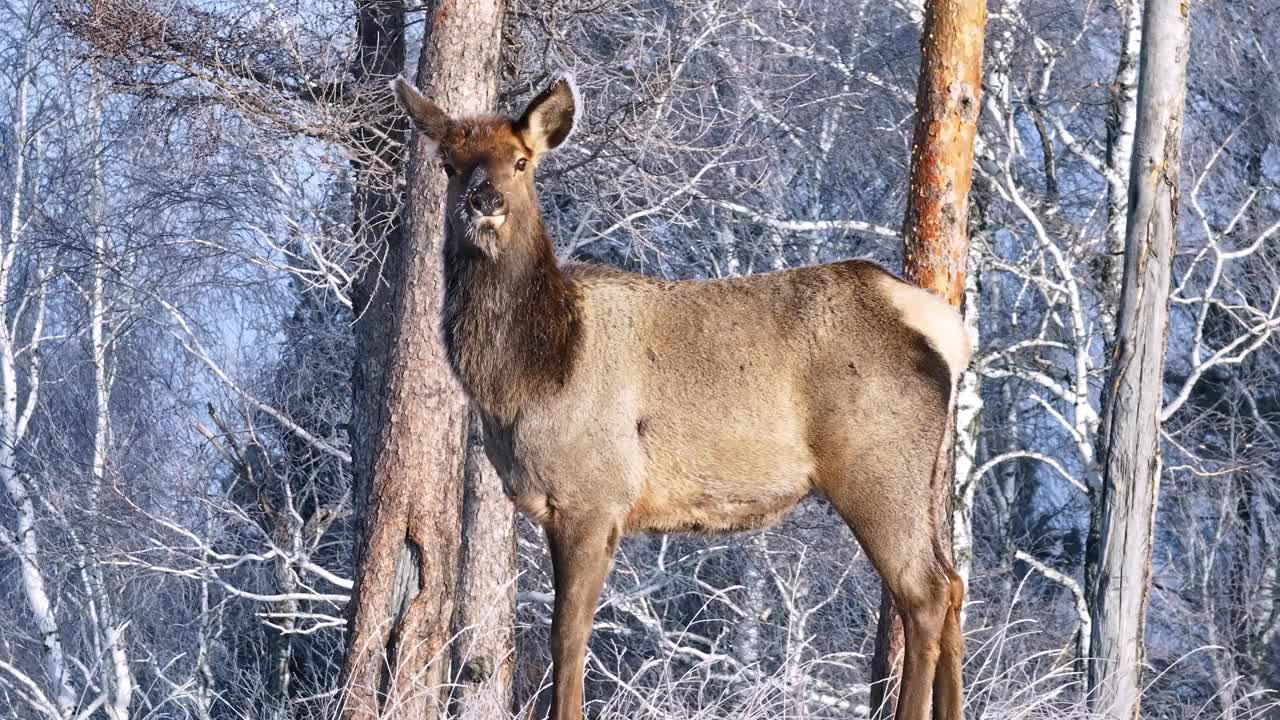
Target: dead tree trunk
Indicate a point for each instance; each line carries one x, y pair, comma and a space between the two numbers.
1124, 508
410, 416
1121, 117
935, 233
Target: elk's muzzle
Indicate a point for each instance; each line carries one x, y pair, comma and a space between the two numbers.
483, 198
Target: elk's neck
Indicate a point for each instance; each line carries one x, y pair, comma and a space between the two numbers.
510, 322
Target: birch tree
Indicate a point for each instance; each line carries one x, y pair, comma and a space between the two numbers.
1121, 118
85, 652
24, 296
109, 628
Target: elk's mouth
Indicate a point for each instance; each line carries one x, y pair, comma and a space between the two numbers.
488, 222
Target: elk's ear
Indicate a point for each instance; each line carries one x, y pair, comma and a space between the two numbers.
549, 119
432, 122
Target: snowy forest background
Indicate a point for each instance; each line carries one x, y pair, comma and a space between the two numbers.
183, 255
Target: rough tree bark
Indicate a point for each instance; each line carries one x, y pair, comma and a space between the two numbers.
411, 416
484, 622
375, 224
1124, 508
935, 232
1122, 115
380, 54
935, 237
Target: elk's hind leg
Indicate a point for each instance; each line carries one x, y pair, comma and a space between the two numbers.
891, 513
581, 550
947, 696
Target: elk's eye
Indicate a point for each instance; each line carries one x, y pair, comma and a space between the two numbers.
521, 164
448, 169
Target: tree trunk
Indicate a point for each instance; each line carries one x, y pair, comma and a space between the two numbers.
410, 419
748, 630
484, 623
1121, 118
935, 237
1124, 508
935, 233
969, 407
117, 674
886, 660
376, 224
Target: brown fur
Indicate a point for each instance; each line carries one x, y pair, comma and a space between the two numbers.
616, 403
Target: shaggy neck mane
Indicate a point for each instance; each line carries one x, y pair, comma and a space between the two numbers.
511, 321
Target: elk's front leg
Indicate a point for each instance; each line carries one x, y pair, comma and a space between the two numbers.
581, 549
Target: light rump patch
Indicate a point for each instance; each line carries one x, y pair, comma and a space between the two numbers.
934, 318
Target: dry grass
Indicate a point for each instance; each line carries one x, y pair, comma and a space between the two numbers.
1002, 683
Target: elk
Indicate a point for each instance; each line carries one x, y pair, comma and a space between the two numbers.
616, 403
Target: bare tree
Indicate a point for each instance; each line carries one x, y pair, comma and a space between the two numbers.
1121, 117
25, 288
1125, 506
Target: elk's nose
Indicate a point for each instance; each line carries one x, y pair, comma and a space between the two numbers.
484, 199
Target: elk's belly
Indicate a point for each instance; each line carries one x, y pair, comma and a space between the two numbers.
707, 513
727, 459
678, 469
725, 489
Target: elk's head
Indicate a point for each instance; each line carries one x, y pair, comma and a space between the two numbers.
490, 162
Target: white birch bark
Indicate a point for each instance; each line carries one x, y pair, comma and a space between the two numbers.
968, 404
20, 387
118, 676
1120, 127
